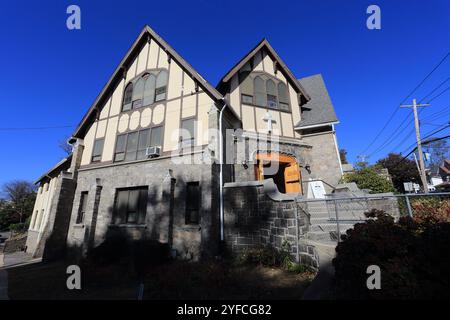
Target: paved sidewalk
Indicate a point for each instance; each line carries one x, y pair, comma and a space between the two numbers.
4, 285
320, 288
15, 258
9, 261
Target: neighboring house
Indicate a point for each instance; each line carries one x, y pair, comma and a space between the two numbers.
444, 170
145, 155
347, 168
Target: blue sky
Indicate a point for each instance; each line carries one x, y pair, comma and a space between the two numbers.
51, 75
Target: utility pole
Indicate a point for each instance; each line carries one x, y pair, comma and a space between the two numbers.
423, 176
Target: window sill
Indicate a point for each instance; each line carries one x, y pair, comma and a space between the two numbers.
151, 105
140, 226
266, 107
191, 227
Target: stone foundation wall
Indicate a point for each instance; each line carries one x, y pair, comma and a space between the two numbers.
325, 162
52, 245
257, 214
165, 215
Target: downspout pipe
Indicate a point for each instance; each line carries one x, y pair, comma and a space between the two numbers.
221, 171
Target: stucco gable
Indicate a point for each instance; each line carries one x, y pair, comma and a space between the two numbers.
280, 65
146, 34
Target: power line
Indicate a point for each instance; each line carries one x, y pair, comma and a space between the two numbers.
425, 143
428, 134
402, 126
396, 109
434, 90
440, 94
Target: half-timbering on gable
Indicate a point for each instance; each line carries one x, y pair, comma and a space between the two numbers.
146, 160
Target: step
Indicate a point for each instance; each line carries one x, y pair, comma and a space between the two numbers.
322, 236
329, 227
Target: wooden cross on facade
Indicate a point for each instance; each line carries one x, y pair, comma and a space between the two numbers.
270, 120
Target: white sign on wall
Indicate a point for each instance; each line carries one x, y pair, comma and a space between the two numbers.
316, 190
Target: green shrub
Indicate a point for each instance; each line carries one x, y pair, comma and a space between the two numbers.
269, 256
19, 227
368, 178
412, 255
261, 255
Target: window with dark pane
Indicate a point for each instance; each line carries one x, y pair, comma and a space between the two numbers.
82, 208
161, 85
187, 137
127, 97
156, 137
149, 90
144, 138
97, 150
283, 96
192, 202
130, 205
120, 147
246, 87
138, 93
246, 99
132, 143
260, 91
272, 101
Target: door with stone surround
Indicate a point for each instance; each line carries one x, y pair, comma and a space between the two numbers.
283, 169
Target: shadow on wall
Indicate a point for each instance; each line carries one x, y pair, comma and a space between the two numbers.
164, 225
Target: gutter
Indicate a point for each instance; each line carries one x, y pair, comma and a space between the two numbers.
316, 125
221, 171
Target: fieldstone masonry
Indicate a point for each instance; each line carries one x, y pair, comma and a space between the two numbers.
257, 214
53, 241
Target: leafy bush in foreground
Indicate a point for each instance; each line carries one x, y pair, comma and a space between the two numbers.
413, 256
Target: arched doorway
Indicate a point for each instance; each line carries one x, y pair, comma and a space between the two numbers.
283, 169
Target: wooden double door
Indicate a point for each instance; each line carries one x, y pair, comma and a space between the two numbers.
287, 175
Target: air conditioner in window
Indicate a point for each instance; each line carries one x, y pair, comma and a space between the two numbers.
153, 152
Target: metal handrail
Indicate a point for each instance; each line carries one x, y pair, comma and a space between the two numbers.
380, 197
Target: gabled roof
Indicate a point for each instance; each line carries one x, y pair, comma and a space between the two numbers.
56, 169
319, 110
281, 66
117, 76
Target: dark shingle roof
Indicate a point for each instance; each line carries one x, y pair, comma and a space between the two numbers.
319, 110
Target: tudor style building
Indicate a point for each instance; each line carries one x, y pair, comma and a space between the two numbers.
144, 161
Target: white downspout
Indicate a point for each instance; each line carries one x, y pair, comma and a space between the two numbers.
221, 171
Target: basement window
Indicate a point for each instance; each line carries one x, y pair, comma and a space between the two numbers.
193, 202
82, 208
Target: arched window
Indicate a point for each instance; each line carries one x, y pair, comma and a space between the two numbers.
149, 90
138, 92
127, 97
161, 86
145, 90
260, 92
263, 90
246, 87
283, 97
271, 94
